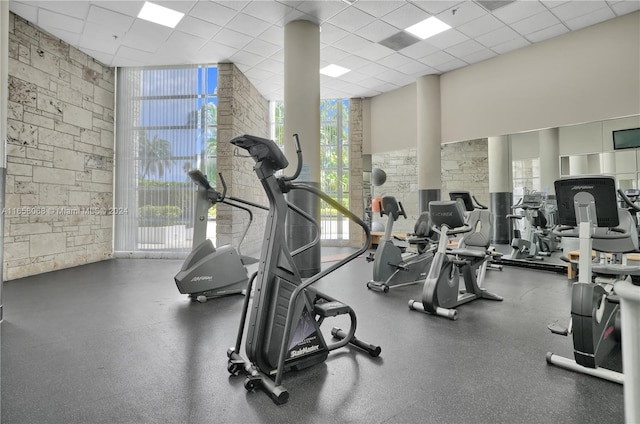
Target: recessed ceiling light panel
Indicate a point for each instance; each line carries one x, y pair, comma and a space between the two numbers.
428, 28
334, 71
160, 15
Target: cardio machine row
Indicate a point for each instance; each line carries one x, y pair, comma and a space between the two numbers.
282, 322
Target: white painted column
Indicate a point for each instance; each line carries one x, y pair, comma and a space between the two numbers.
302, 117
549, 159
428, 140
500, 187
4, 100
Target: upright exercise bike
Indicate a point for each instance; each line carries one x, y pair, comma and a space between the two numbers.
587, 208
392, 265
283, 328
441, 292
209, 272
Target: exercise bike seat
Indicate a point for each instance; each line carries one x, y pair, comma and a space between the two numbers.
469, 253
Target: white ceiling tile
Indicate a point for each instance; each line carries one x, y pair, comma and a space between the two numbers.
498, 36
234, 4
353, 77
353, 43
370, 82
48, 19
435, 7
101, 57
213, 12
322, 10
377, 31
332, 54
232, 38
479, 56
465, 48
395, 77
405, 16
437, 58
329, 34
215, 52
249, 25
278, 56
26, 11
447, 38
547, 33
145, 36
99, 38
258, 74
351, 19
130, 53
274, 35
76, 9
372, 69
518, 10
419, 50
182, 6
129, 8
589, 19
374, 52
412, 67
272, 66
119, 22
186, 45
510, 45
462, 13
377, 8
535, 23
246, 58
272, 12
354, 62
553, 3
195, 26
482, 25
261, 48
574, 9
624, 7
450, 66
395, 60
73, 38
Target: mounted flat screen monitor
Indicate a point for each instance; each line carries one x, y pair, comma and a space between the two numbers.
596, 193
626, 139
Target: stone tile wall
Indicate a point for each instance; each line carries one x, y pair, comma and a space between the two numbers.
356, 200
60, 127
464, 167
241, 110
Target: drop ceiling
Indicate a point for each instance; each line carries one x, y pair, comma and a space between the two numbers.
251, 35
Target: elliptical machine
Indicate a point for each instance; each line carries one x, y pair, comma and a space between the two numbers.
441, 291
524, 244
392, 266
283, 329
209, 272
590, 204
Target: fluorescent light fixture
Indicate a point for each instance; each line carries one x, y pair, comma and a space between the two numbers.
334, 71
160, 15
428, 28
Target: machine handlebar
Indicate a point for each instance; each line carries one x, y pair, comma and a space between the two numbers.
629, 202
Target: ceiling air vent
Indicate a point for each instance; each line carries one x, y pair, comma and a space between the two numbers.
399, 41
492, 5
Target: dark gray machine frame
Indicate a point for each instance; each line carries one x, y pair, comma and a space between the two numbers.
587, 208
390, 267
440, 292
283, 329
208, 272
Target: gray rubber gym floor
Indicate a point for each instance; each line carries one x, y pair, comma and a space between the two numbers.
114, 342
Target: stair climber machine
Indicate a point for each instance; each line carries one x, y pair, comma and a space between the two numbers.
393, 265
601, 312
209, 272
284, 319
441, 292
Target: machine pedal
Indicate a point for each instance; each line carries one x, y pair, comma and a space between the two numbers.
556, 329
330, 309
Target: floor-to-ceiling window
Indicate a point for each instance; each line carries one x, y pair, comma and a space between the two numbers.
334, 156
166, 126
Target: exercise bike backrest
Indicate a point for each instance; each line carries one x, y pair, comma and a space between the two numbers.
448, 213
392, 208
593, 200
